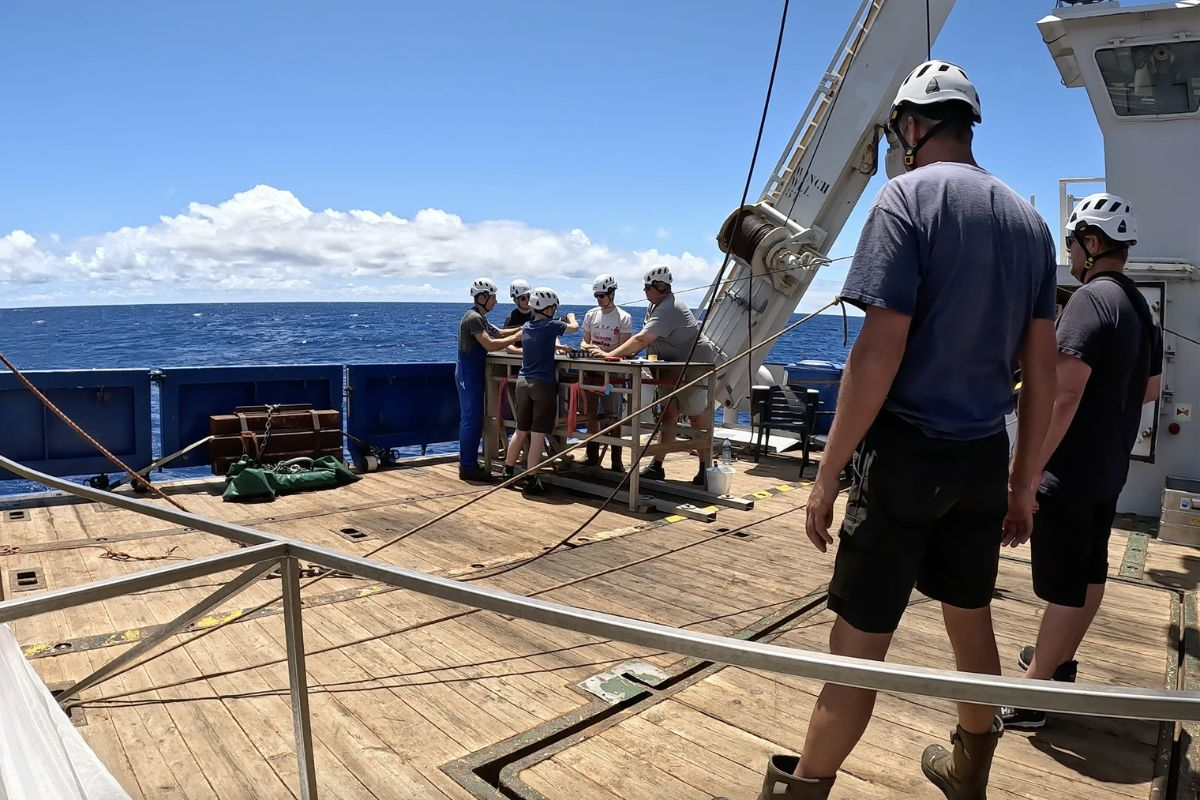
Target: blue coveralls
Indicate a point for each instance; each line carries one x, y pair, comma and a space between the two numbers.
468, 377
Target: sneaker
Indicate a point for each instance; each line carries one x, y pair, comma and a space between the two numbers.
474, 475
1065, 672
1025, 657
1022, 719
534, 487
654, 472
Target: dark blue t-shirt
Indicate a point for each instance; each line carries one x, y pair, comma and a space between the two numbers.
971, 262
537, 349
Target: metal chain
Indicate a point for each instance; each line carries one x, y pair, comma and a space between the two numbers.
271, 408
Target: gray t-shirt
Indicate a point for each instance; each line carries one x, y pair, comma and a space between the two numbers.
971, 262
675, 328
471, 324
1107, 324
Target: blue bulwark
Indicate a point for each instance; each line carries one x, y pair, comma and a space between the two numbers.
401, 405
190, 395
111, 405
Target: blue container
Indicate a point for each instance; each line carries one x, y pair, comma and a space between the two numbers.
826, 378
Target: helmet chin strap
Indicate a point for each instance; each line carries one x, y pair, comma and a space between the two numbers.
1091, 260
910, 150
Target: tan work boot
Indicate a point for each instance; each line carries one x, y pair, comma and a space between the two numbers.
963, 774
781, 784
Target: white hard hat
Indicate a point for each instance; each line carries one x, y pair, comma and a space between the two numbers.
658, 273
484, 286
1108, 212
518, 288
604, 283
938, 82
542, 298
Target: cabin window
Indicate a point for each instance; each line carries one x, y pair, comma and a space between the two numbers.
1152, 79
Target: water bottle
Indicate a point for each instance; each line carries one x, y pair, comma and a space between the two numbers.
726, 453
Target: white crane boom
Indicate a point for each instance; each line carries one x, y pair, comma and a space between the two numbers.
778, 244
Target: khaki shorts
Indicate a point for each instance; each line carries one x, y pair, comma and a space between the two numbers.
692, 402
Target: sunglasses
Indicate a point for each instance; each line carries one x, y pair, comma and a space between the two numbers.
1070, 240
598, 295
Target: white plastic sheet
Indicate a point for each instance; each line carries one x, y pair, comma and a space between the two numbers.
42, 755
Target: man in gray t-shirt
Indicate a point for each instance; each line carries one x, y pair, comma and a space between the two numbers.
672, 333
956, 275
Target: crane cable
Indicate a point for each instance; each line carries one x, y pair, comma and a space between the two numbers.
675, 391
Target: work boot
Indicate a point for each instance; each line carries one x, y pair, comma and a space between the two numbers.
617, 464
963, 773
701, 479
654, 472
474, 475
781, 784
593, 455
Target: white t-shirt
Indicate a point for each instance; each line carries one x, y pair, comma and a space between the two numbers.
602, 327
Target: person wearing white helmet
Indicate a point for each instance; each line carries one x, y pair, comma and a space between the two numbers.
519, 291
476, 338
956, 274
605, 327
1109, 365
671, 332
537, 385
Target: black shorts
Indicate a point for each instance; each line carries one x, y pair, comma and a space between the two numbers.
1070, 547
537, 406
923, 512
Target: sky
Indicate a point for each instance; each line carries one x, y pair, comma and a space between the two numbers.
353, 151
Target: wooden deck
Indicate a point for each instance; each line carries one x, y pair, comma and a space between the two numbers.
414, 697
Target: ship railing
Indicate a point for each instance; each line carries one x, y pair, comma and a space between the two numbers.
265, 552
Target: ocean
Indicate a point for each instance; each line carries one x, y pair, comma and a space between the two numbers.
213, 334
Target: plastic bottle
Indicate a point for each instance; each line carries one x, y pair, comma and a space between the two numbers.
726, 453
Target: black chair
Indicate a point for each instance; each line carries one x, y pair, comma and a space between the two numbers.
785, 408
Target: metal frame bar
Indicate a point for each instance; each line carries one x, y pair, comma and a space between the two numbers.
1081, 698
1090, 699
298, 678
139, 581
171, 628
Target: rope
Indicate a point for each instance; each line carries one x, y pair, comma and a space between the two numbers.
614, 426
117, 555
420, 625
731, 281
375, 682
687, 362
85, 435
928, 34
1181, 336
502, 485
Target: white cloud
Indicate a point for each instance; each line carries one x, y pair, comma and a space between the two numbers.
265, 240
24, 260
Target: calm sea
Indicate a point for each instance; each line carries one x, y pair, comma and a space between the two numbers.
211, 334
